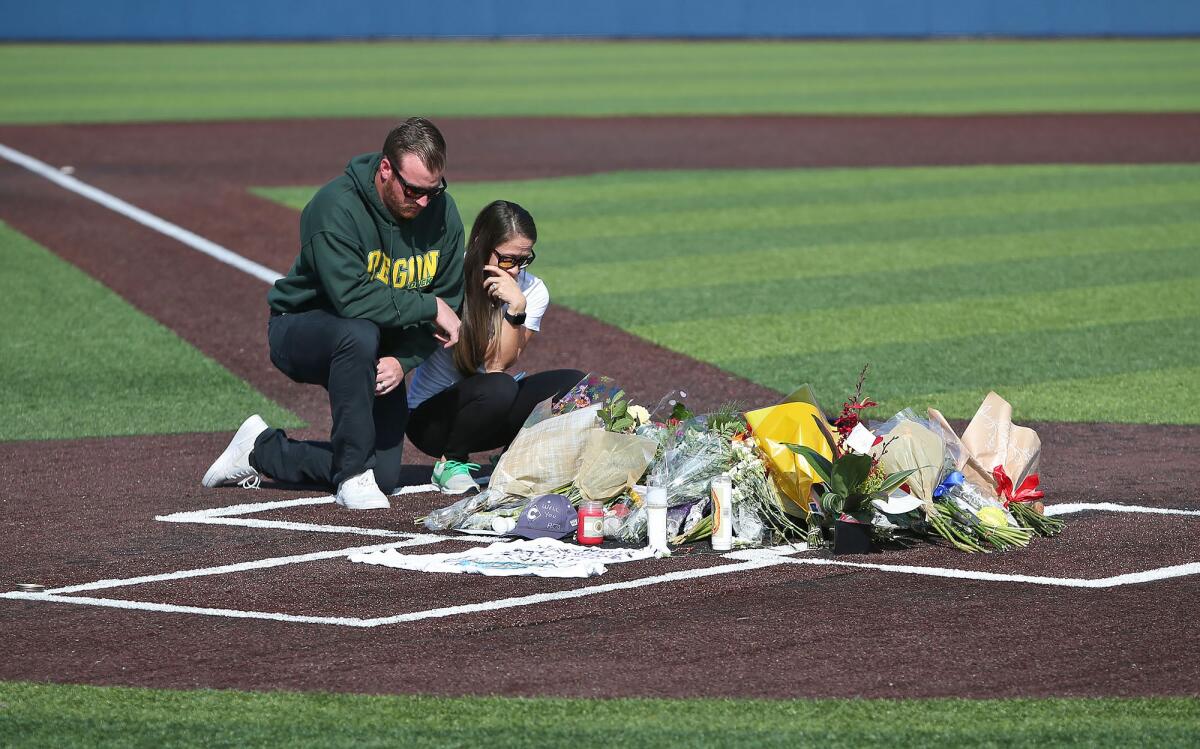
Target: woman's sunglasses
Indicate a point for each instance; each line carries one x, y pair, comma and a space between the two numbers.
508, 262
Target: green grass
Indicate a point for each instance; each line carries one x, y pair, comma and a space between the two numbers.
123, 83
80, 716
78, 361
1073, 291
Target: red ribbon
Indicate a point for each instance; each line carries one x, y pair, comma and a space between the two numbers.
1026, 492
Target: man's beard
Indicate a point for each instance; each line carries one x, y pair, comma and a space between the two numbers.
401, 211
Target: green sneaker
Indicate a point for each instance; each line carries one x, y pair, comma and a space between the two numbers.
452, 477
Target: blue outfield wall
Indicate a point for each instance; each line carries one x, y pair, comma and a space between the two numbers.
163, 20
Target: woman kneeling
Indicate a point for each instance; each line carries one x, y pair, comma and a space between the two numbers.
461, 399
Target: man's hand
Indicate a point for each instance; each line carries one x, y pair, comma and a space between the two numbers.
388, 375
447, 324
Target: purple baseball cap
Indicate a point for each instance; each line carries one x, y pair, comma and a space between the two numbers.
547, 516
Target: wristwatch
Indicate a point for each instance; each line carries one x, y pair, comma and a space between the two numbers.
517, 319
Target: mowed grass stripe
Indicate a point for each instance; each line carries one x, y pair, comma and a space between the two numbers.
792, 294
783, 208
63, 715
938, 260
650, 192
78, 361
842, 189
839, 328
1126, 391
1072, 375
823, 263
121, 83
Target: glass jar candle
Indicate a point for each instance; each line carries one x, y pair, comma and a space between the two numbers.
591, 523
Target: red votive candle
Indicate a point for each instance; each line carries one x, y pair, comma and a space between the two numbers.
591, 523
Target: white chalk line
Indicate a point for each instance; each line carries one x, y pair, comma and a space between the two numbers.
145, 218
280, 504
438, 613
230, 515
256, 564
748, 559
1070, 507
305, 527
171, 608
1131, 578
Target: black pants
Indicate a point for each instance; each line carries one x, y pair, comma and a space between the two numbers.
483, 412
339, 354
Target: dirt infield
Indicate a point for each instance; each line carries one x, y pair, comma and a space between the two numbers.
78, 511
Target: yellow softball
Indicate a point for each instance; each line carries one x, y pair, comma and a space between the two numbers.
993, 516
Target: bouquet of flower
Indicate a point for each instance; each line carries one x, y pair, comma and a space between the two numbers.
475, 512
546, 455
797, 420
794, 473
696, 451
999, 459
854, 476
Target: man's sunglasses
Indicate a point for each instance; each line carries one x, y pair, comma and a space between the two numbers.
508, 262
412, 192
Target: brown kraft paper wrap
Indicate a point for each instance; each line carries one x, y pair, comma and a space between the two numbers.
990, 440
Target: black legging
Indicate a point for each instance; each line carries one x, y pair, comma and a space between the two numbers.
482, 412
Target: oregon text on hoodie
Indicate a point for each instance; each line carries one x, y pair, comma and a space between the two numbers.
356, 260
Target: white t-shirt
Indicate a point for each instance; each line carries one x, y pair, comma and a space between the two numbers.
438, 371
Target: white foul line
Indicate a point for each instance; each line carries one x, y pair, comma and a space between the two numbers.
110, 201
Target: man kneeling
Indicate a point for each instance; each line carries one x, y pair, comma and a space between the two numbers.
375, 290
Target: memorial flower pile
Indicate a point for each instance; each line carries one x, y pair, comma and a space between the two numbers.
797, 475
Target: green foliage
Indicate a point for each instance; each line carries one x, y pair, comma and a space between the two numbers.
681, 413
1036, 521
78, 361
845, 482
615, 414
65, 716
44, 83
727, 420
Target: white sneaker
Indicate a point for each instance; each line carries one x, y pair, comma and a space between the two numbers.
362, 493
233, 466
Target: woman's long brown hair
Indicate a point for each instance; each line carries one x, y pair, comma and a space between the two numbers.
497, 223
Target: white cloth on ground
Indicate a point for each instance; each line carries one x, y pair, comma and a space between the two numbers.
540, 557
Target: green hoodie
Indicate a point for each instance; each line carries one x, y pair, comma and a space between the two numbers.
356, 260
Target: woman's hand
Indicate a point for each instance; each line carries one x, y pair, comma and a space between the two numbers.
503, 289
388, 375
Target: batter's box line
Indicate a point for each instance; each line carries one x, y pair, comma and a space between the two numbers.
234, 515
750, 560
744, 560
438, 613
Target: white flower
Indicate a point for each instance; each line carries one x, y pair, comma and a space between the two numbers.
639, 414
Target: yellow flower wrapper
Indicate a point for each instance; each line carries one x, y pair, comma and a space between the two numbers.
793, 422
